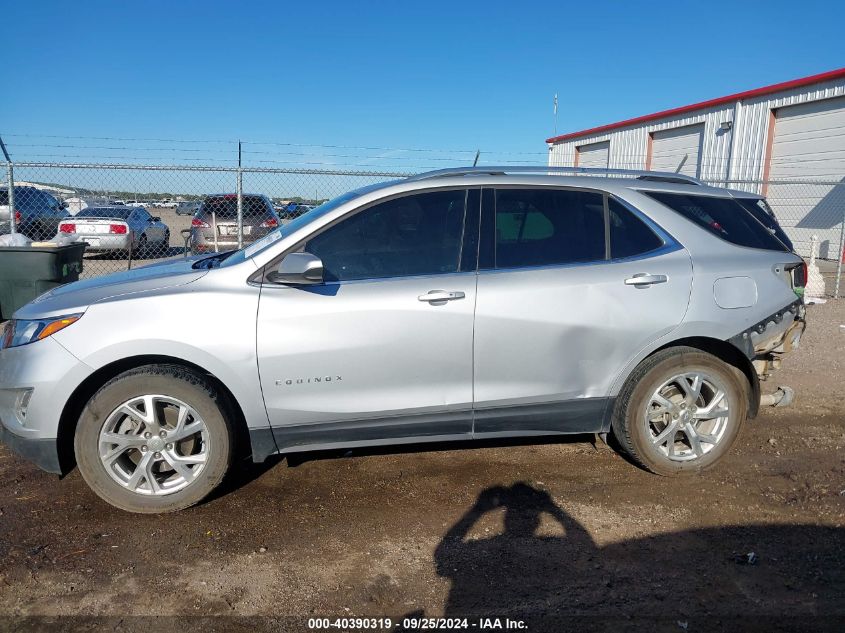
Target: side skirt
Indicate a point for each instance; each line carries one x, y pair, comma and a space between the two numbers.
582, 415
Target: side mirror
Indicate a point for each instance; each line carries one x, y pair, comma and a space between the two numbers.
155, 218
64, 205
298, 269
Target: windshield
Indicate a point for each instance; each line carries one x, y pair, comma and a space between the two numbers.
294, 225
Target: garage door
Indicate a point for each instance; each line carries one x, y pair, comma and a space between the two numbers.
809, 143
677, 150
593, 155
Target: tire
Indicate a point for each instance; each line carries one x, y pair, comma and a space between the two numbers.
184, 470
141, 251
164, 246
642, 423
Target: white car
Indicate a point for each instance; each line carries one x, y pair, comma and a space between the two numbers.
110, 229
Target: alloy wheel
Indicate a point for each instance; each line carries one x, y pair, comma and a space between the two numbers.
154, 444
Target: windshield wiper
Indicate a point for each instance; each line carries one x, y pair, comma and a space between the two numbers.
213, 261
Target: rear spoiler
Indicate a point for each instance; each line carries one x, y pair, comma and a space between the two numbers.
77, 218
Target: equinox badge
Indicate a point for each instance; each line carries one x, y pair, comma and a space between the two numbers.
305, 381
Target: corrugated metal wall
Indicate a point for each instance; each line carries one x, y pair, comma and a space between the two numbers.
719, 160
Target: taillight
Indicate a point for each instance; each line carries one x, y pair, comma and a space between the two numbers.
67, 228
196, 222
798, 274
270, 224
117, 229
17, 217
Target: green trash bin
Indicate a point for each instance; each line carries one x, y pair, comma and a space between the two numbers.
27, 271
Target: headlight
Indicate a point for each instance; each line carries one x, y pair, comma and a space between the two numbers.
19, 332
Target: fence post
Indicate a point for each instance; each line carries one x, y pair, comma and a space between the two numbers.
11, 174
240, 201
240, 208
840, 255
11, 184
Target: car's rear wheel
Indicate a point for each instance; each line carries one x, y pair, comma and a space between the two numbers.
141, 250
154, 439
680, 411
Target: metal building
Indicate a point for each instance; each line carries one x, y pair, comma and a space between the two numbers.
788, 132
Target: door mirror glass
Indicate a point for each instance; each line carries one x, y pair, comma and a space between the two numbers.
298, 269
155, 218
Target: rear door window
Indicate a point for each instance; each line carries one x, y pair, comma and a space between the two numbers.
723, 217
541, 227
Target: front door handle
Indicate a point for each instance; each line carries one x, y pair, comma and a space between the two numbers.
644, 279
440, 296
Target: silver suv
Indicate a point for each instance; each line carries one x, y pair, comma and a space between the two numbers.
460, 304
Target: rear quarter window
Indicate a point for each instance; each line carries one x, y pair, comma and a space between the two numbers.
723, 217
629, 236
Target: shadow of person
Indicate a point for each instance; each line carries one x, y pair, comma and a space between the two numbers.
756, 577
508, 565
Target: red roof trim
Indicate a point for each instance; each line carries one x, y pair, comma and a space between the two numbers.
786, 85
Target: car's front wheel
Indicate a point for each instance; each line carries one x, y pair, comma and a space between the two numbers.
154, 439
680, 411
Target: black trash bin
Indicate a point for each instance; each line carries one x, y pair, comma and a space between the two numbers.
27, 271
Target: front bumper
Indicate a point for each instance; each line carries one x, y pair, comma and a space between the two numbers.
43, 452
52, 374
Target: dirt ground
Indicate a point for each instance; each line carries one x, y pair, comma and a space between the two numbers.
559, 535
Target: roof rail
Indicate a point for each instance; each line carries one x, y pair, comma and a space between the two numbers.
659, 176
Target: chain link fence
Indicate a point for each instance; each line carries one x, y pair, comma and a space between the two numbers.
807, 209
131, 215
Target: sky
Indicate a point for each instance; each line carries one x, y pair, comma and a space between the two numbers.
387, 76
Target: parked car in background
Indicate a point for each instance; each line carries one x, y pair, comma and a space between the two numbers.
187, 207
454, 305
117, 203
166, 203
37, 213
293, 210
110, 229
215, 225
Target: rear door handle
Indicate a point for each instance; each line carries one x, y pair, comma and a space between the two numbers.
645, 279
439, 296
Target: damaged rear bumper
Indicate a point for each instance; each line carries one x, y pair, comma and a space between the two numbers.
765, 342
